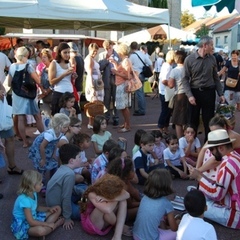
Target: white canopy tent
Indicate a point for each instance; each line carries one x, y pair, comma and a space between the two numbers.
79, 14
146, 35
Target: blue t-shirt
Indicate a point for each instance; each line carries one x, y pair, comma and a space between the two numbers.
149, 215
23, 201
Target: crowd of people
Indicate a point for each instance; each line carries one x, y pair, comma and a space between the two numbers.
100, 191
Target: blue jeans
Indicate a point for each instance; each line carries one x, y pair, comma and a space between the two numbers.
165, 114
141, 97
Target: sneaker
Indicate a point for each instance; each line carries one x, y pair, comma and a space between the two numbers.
89, 126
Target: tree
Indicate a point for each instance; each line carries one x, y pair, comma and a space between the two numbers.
187, 18
158, 3
202, 31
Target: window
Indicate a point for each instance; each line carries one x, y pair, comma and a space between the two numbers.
217, 43
225, 39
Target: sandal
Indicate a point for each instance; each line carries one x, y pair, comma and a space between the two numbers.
127, 231
123, 130
13, 171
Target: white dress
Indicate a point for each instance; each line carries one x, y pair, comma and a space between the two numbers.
89, 90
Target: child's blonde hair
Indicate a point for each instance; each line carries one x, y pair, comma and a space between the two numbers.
58, 121
108, 186
28, 181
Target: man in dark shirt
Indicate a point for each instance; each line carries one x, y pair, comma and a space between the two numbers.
201, 82
109, 80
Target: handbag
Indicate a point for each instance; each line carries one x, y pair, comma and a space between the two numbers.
231, 82
134, 83
169, 93
146, 70
98, 84
6, 121
171, 102
23, 85
92, 109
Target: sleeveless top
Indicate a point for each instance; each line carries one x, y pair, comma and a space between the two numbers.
65, 84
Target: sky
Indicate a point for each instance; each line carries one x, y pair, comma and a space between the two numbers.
198, 12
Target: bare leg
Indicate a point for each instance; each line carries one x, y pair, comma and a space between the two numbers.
126, 116
22, 129
121, 217
179, 131
39, 123
15, 124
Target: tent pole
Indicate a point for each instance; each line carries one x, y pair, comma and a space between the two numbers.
170, 42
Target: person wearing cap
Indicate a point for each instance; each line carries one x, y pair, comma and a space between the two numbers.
201, 82
109, 79
222, 192
77, 61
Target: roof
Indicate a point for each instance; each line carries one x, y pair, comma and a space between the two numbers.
227, 26
79, 14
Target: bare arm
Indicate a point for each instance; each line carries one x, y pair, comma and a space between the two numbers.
171, 82
143, 173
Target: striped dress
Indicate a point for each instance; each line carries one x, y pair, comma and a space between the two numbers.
226, 191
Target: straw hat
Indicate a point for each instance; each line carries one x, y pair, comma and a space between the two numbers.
218, 137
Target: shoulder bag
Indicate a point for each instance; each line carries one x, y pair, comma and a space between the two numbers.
146, 70
6, 121
134, 83
23, 85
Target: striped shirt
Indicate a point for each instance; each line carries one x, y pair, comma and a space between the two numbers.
226, 190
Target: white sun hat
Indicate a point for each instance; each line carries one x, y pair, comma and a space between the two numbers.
218, 137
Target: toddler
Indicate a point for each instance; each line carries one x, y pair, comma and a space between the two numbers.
66, 103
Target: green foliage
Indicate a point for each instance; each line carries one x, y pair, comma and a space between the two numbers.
158, 4
2, 30
187, 19
203, 31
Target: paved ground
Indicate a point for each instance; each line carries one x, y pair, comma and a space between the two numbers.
147, 122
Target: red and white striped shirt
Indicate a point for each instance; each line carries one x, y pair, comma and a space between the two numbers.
226, 190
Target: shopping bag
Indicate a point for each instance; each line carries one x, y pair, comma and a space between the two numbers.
6, 121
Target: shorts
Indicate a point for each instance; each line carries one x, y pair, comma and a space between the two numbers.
87, 224
232, 97
7, 133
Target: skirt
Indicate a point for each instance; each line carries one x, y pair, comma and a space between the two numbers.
123, 99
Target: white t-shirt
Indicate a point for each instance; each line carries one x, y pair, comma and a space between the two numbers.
173, 157
195, 228
158, 64
183, 144
164, 75
4, 62
177, 74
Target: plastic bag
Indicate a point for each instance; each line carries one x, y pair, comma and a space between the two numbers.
6, 121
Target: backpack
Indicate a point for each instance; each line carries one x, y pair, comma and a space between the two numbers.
23, 85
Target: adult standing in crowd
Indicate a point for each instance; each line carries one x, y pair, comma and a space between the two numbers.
42, 71
93, 75
8, 136
109, 80
179, 115
4, 66
11, 54
59, 74
23, 106
138, 66
77, 62
222, 193
201, 82
232, 68
123, 72
164, 118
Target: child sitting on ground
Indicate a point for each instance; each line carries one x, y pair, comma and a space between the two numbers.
192, 225
101, 135
190, 144
29, 219
137, 138
60, 186
154, 207
101, 161
82, 140
174, 158
158, 148
104, 206
143, 160
123, 168
66, 103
